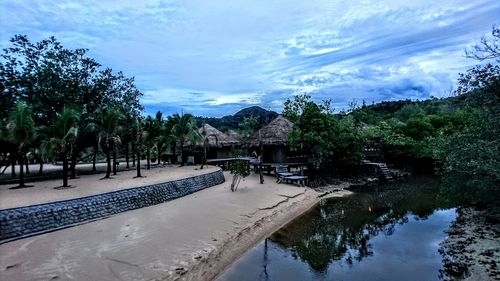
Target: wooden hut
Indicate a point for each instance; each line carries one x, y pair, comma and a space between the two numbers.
272, 139
219, 144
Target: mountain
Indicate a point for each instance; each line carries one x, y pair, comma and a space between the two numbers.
233, 121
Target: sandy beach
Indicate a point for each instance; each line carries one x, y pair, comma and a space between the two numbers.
44, 192
472, 250
191, 238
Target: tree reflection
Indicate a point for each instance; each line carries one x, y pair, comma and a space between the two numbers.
340, 228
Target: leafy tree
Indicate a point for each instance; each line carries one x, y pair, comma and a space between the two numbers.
184, 129
294, 108
418, 128
249, 126
471, 156
314, 133
108, 124
61, 136
21, 132
140, 135
239, 170
150, 132
46, 76
487, 48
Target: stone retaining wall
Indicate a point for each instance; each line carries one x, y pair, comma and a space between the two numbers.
26, 221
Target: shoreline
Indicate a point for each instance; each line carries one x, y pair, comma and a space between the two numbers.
238, 244
221, 258
194, 237
472, 250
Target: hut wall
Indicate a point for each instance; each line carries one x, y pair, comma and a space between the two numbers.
223, 152
275, 154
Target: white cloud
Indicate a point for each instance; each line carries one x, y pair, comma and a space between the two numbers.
245, 52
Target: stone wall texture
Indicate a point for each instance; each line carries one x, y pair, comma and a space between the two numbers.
36, 219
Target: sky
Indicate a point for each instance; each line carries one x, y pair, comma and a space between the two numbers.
213, 58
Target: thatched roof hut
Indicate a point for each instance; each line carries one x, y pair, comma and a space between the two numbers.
274, 133
220, 139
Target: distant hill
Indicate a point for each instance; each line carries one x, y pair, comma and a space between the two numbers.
232, 121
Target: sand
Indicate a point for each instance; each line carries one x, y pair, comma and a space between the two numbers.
472, 250
44, 192
191, 238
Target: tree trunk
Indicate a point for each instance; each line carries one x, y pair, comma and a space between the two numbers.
65, 170
40, 169
21, 172
148, 157
126, 155
203, 161
13, 166
133, 154
174, 151
94, 158
139, 163
114, 162
234, 183
73, 165
159, 147
182, 154
108, 161
5, 168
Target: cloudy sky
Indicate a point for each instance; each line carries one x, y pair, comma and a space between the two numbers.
216, 57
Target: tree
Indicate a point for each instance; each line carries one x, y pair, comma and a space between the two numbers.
60, 137
184, 129
205, 137
139, 139
46, 75
249, 126
294, 108
313, 133
470, 157
108, 124
239, 170
21, 132
487, 48
162, 137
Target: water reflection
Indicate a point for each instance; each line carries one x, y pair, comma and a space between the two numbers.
394, 223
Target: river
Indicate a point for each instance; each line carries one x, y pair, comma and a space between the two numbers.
386, 232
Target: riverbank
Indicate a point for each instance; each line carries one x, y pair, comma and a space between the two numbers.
472, 250
191, 238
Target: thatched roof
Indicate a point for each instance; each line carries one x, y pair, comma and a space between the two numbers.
274, 133
222, 139
233, 134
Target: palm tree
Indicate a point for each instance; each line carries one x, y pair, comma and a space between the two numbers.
151, 131
205, 136
108, 124
162, 137
21, 132
139, 138
61, 136
184, 130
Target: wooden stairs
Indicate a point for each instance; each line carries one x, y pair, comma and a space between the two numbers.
384, 171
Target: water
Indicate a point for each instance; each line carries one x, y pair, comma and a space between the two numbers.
391, 232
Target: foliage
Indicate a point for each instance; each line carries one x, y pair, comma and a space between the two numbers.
239, 169
293, 109
108, 124
45, 73
60, 137
184, 129
332, 141
21, 132
249, 126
